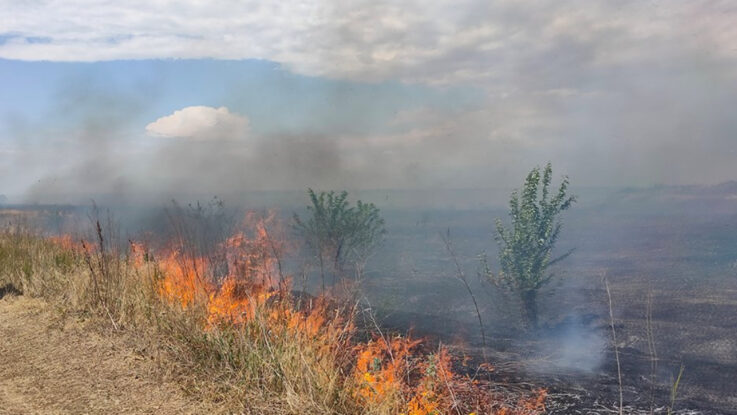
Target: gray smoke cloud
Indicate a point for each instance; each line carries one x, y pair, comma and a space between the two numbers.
613, 94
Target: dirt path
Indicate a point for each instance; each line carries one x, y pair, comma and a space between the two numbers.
52, 367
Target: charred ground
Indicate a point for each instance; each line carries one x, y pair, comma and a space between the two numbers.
672, 246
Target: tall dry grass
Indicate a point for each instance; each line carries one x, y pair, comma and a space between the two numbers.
267, 353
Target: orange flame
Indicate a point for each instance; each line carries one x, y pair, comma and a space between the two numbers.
67, 242
383, 371
251, 279
380, 366
431, 395
184, 279
139, 254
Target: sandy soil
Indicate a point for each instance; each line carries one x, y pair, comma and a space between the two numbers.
54, 366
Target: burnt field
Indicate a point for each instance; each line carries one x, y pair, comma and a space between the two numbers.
669, 255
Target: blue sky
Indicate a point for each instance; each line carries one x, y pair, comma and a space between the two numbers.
44, 105
274, 99
158, 96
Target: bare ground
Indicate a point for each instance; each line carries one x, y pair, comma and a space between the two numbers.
50, 365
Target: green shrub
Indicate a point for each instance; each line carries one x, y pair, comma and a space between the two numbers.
525, 248
338, 233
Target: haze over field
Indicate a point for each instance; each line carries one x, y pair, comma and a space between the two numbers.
155, 161
142, 98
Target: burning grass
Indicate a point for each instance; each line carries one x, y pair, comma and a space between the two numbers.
237, 335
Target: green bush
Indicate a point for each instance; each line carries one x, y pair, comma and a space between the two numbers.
338, 233
525, 248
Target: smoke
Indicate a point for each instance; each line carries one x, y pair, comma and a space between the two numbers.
247, 163
94, 142
572, 346
375, 95
82, 150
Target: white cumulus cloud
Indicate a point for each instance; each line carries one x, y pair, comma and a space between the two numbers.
200, 122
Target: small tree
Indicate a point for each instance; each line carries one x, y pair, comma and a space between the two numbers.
337, 232
525, 249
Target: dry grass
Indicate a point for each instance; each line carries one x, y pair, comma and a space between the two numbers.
245, 347
50, 365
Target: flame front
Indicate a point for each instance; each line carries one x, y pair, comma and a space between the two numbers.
250, 280
381, 372
184, 281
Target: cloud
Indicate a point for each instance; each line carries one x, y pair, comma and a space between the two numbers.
200, 122
417, 41
613, 93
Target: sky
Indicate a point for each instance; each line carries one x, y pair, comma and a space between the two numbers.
222, 96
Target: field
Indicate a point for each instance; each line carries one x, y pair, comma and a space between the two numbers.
668, 254
675, 248
227, 325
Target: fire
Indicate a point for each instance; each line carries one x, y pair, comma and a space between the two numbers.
184, 279
386, 369
531, 405
250, 281
386, 372
233, 303
139, 254
380, 366
431, 395
253, 259
67, 242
